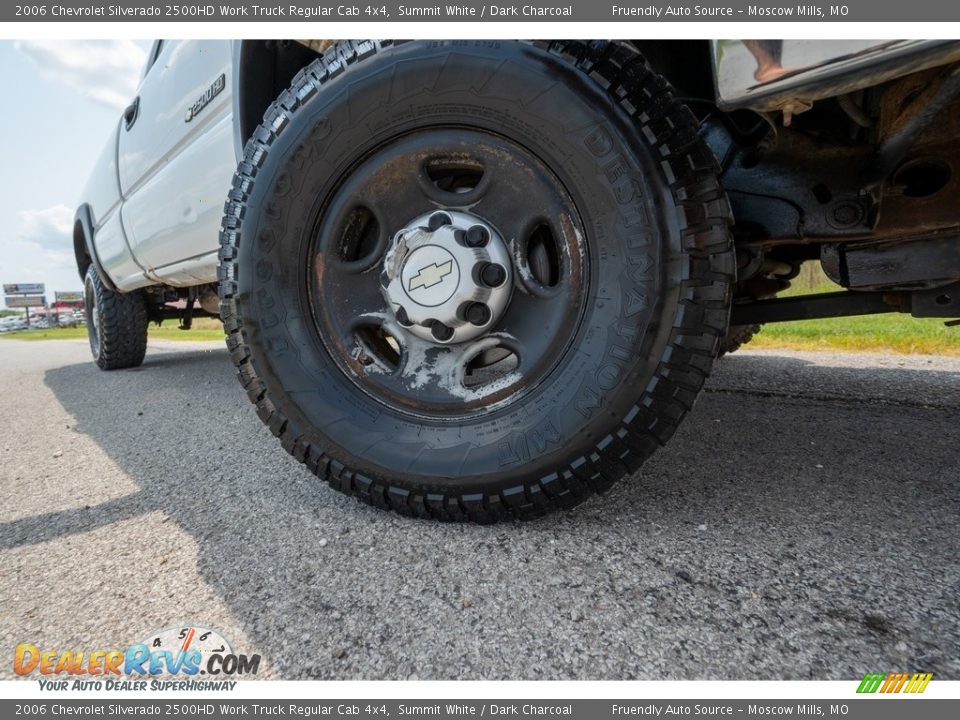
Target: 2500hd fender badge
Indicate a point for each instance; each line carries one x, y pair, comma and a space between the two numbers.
211, 92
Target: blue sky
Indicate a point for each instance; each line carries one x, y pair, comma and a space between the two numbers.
62, 99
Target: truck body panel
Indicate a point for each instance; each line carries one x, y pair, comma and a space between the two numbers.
175, 215
168, 170
815, 69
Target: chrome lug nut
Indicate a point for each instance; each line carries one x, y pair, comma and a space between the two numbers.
441, 332
477, 236
493, 275
478, 314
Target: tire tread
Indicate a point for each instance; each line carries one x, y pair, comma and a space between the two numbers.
123, 326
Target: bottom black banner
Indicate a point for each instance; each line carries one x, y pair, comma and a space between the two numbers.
875, 708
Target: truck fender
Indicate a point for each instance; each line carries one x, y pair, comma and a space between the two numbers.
84, 247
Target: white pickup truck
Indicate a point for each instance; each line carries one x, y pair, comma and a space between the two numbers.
486, 279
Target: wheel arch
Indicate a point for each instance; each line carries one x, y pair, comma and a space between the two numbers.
265, 68
84, 249
686, 64
262, 70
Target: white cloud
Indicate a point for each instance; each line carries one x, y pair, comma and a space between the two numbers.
49, 228
41, 250
106, 71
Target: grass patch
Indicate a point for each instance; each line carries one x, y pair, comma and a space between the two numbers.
892, 332
203, 329
889, 333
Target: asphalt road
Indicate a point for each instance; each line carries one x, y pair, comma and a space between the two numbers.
802, 524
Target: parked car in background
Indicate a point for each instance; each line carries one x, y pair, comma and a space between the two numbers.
10, 324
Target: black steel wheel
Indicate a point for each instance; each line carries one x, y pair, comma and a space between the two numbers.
449, 272
475, 280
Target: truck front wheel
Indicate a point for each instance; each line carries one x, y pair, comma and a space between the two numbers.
475, 280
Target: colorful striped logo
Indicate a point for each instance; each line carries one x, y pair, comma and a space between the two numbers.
895, 682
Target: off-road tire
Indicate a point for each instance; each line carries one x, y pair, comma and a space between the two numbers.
520, 464
738, 336
118, 338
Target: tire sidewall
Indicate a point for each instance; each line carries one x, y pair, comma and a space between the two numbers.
91, 283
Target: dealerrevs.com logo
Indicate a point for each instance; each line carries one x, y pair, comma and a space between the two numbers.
170, 659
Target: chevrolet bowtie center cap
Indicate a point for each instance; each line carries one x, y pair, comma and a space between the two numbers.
447, 276
430, 276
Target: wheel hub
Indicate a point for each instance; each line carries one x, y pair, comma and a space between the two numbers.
447, 276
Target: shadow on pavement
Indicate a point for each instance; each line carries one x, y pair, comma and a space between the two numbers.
779, 535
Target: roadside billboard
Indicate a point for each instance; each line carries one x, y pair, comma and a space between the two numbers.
25, 301
23, 289
68, 299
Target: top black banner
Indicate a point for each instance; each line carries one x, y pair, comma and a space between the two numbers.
483, 12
